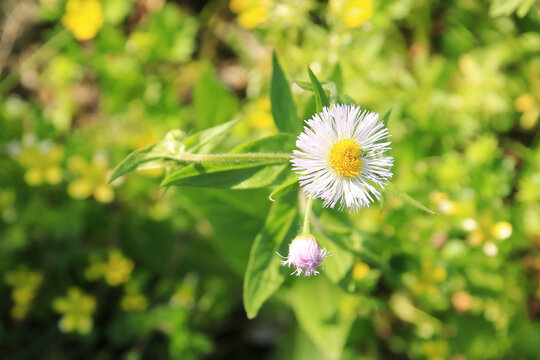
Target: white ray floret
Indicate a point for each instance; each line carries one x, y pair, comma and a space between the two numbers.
340, 157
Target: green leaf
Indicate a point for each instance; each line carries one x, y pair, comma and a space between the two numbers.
308, 86
320, 97
341, 261
345, 99
329, 85
157, 155
386, 117
337, 77
524, 8
249, 173
214, 104
504, 7
392, 189
282, 104
284, 188
246, 209
160, 154
279, 143
325, 312
229, 175
203, 142
264, 275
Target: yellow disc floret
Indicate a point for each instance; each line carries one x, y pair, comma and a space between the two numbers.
345, 158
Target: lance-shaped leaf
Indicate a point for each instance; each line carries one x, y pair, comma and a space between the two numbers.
282, 104
284, 188
264, 274
320, 96
162, 153
392, 189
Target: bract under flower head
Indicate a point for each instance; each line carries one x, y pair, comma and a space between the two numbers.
340, 157
306, 255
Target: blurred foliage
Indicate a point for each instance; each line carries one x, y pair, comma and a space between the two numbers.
130, 271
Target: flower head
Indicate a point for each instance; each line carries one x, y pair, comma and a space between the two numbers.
83, 18
340, 157
306, 254
251, 13
76, 309
91, 178
353, 13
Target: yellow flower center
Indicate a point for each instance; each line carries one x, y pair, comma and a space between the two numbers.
345, 158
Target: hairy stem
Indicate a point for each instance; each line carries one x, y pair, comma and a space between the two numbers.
255, 157
305, 227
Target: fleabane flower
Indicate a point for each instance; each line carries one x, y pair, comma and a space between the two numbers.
306, 255
340, 157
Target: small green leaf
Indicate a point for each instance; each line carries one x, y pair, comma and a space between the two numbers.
157, 155
282, 104
320, 96
203, 142
390, 188
329, 85
308, 86
325, 312
505, 7
337, 77
345, 99
264, 275
284, 188
214, 104
524, 8
386, 117
341, 261
161, 154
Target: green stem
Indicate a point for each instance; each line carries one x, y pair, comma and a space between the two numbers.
255, 157
305, 227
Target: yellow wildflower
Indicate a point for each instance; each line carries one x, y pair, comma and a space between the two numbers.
83, 18
42, 163
251, 13
116, 270
258, 114
76, 309
91, 179
360, 270
25, 284
353, 13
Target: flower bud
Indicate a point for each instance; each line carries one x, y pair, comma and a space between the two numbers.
306, 255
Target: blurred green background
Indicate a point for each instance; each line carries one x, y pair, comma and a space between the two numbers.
91, 270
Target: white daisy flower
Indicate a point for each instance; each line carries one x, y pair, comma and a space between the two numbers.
340, 157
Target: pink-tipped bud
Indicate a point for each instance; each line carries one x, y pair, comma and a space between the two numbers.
306, 255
